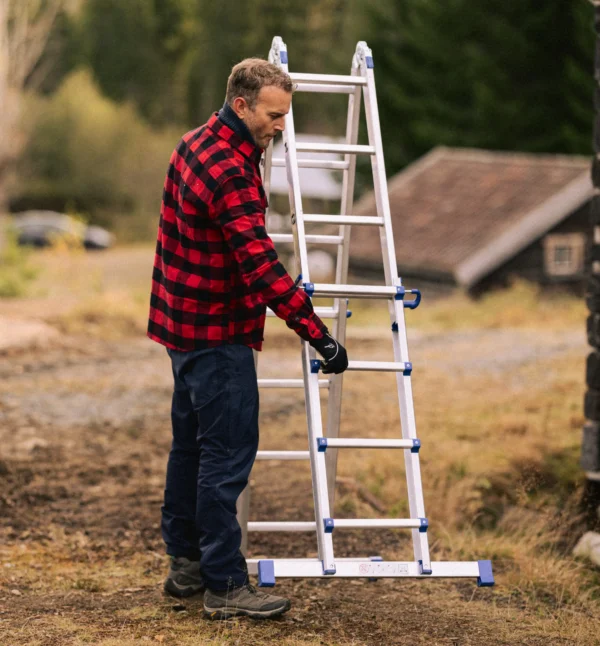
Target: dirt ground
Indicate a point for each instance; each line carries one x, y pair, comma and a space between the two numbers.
84, 431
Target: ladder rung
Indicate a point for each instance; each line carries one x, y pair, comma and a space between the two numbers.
317, 239
379, 523
288, 383
325, 89
283, 455
355, 443
342, 149
284, 526
344, 219
321, 312
378, 366
328, 79
313, 163
356, 291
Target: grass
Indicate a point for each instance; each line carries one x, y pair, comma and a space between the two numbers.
499, 466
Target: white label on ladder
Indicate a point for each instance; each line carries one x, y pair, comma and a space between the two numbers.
383, 569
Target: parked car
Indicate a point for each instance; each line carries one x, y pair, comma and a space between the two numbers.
42, 228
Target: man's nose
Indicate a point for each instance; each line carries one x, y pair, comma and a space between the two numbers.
280, 125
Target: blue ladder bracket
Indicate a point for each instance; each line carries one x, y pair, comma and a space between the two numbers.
328, 525
369, 62
283, 58
348, 313
322, 444
486, 576
309, 288
298, 280
400, 291
407, 369
423, 570
416, 447
377, 559
394, 326
315, 365
424, 525
266, 574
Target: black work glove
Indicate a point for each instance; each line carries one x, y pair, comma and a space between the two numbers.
334, 354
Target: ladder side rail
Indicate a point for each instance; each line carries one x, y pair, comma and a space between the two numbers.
317, 460
311, 380
334, 405
400, 345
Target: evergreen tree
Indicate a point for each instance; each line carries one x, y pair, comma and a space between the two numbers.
511, 76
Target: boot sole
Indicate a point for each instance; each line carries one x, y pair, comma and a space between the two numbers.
228, 613
173, 589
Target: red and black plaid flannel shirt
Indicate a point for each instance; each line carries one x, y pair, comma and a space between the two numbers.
215, 268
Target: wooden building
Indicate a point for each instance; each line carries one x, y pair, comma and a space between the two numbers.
476, 218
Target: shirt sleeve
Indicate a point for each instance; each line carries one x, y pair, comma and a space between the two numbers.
239, 212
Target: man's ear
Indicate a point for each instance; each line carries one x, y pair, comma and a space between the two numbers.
240, 106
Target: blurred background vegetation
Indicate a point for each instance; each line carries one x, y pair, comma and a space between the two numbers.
117, 82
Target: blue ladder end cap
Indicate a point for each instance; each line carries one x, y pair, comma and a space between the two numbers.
416, 447
369, 61
424, 570
424, 525
400, 292
266, 574
330, 571
283, 57
309, 288
322, 444
348, 313
328, 525
407, 369
486, 576
315, 365
394, 326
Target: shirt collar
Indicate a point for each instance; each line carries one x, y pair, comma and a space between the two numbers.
230, 127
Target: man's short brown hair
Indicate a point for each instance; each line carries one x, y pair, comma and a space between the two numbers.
252, 74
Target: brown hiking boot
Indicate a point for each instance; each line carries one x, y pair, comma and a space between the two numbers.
245, 600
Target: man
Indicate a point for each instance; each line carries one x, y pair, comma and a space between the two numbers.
215, 271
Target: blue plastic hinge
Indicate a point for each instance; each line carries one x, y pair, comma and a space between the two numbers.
486, 576
424, 525
348, 313
407, 368
369, 61
322, 444
394, 326
328, 525
283, 57
416, 446
423, 570
309, 288
315, 365
266, 574
400, 292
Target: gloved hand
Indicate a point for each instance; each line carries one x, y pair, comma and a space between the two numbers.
334, 354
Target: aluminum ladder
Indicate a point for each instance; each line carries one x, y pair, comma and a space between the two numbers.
322, 448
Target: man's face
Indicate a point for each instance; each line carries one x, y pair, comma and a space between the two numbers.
267, 117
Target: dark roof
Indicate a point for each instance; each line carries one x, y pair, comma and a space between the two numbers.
465, 212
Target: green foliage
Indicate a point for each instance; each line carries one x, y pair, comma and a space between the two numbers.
87, 152
16, 271
499, 75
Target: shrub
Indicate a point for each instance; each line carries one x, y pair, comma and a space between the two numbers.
89, 153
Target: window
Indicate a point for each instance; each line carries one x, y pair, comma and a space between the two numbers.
564, 254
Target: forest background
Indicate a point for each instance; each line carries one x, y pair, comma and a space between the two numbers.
117, 83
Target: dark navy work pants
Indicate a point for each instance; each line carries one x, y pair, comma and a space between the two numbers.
215, 439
